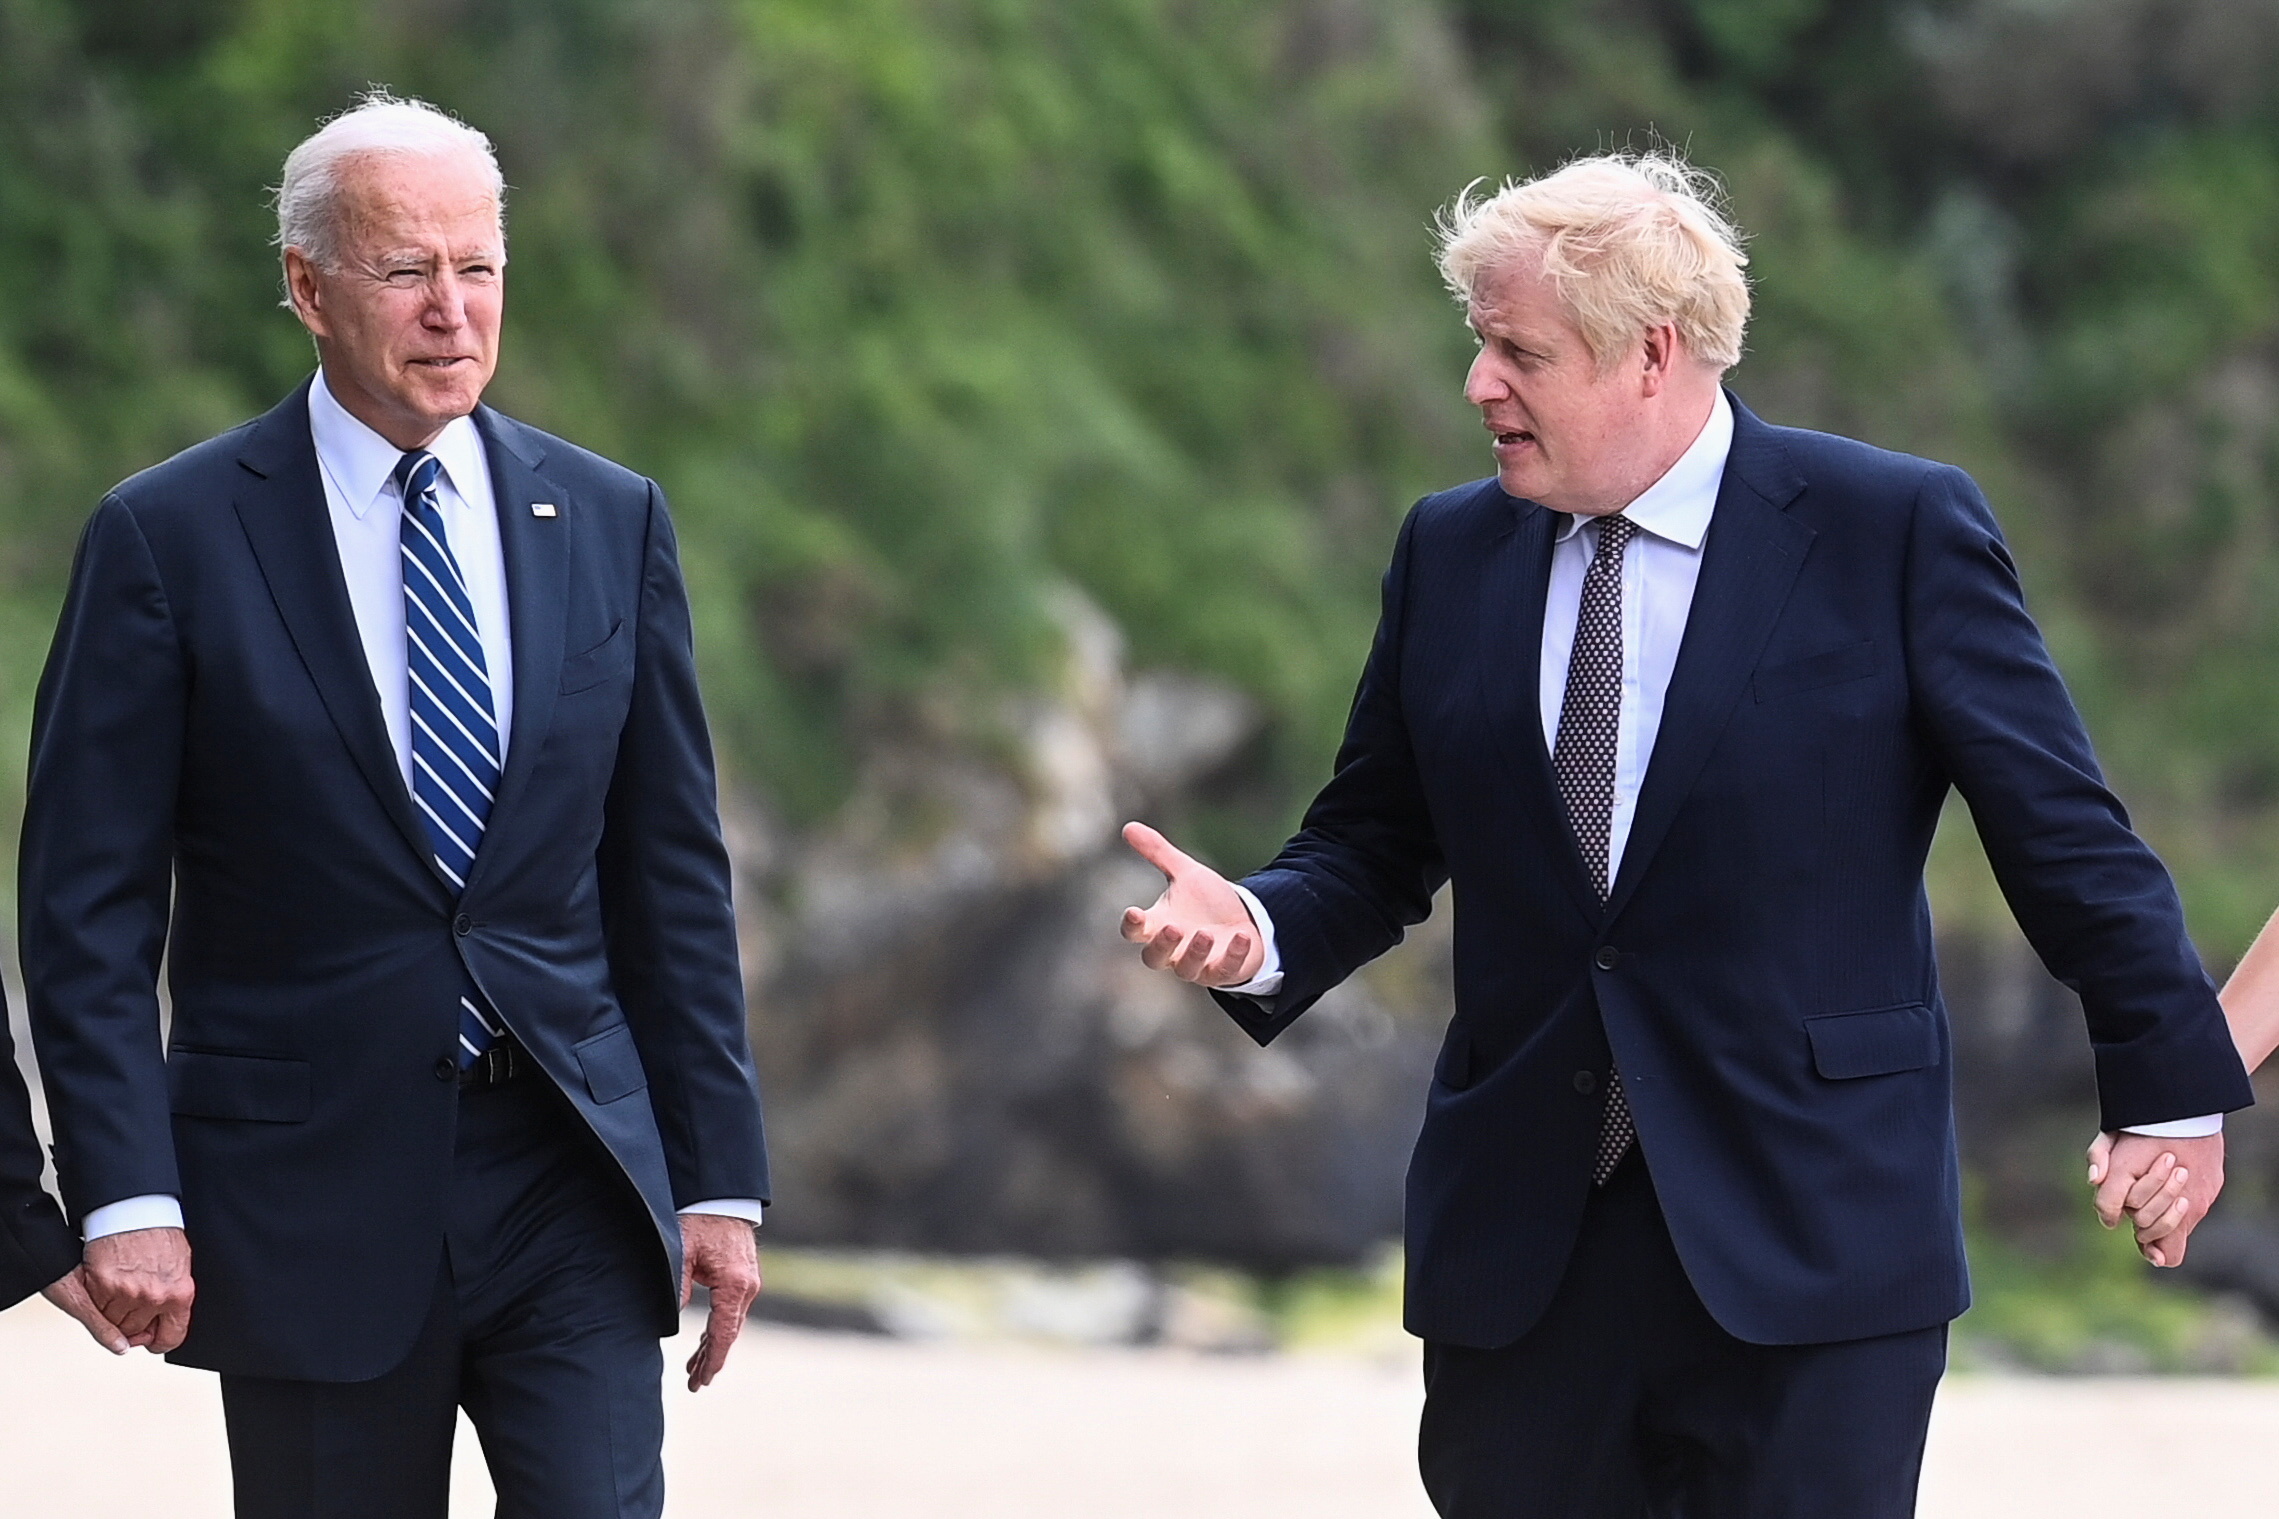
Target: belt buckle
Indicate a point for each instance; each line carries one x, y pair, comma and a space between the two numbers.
494, 1067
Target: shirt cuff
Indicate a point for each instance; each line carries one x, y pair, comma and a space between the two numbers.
2180, 1128
1268, 981
745, 1208
153, 1210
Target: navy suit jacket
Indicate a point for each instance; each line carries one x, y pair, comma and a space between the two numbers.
211, 780
36, 1246
1762, 971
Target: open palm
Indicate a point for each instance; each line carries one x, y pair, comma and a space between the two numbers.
1199, 929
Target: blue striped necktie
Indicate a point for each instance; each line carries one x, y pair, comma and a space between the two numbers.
454, 727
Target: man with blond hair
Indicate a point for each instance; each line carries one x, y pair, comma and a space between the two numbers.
1673, 701
378, 715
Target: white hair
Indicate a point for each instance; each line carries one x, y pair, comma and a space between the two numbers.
378, 125
1631, 240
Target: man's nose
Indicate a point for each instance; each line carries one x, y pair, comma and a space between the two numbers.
1484, 381
446, 303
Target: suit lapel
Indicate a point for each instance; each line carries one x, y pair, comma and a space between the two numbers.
282, 510
1515, 580
537, 554
1748, 563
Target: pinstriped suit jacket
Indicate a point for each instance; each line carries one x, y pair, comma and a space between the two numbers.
1762, 971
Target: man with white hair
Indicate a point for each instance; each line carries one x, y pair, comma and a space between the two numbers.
378, 716
1673, 701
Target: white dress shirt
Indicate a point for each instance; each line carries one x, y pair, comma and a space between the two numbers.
360, 492
1658, 576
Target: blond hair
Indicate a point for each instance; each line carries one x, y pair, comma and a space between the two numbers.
1631, 241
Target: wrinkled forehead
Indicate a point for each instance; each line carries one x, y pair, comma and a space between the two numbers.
446, 200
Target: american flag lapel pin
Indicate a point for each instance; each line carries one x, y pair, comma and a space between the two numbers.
543, 509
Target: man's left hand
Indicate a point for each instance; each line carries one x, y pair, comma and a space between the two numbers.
2164, 1186
724, 1254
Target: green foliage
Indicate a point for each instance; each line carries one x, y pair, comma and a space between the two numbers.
2090, 1306
2095, 1306
924, 309
917, 311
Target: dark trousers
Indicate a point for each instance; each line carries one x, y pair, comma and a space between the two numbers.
549, 1308
1626, 1399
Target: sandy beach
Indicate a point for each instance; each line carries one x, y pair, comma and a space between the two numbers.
825, 1426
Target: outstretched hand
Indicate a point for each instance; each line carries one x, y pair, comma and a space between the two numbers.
2164, 1187
1199, 929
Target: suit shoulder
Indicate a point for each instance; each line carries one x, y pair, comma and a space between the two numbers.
198, 478
603, 479
1855, 471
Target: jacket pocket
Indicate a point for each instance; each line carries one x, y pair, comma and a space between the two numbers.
1876, 1042
611, 1064
252, 1088
1851, 662
598, 663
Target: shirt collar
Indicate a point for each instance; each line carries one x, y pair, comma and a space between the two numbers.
361, 462
1677, 507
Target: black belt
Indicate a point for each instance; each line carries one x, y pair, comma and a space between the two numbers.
496, 1066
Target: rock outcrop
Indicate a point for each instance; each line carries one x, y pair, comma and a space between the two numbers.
961, 1055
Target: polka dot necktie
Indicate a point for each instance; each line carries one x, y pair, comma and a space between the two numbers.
454, 722
1582, 758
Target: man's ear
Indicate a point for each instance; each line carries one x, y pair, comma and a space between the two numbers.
306, 292
1659, 358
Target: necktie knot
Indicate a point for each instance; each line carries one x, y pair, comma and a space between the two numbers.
415, 474
1614, 535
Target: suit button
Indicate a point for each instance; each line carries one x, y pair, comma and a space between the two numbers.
1585, 1082
462, 925
1607, 958
446, 1069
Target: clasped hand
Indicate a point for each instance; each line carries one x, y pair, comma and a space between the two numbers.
2162, 1186
131, 1289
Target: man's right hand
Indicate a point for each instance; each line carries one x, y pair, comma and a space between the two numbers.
1199, 929
69, 1292
2162, 1186
140, 1281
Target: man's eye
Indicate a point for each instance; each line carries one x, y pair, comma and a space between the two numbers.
404, 276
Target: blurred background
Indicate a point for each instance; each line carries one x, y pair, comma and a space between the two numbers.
1039, 384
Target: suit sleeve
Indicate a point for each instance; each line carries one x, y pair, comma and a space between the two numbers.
1366, 860
95, 871
2095, 902
36, 1246
667, 908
